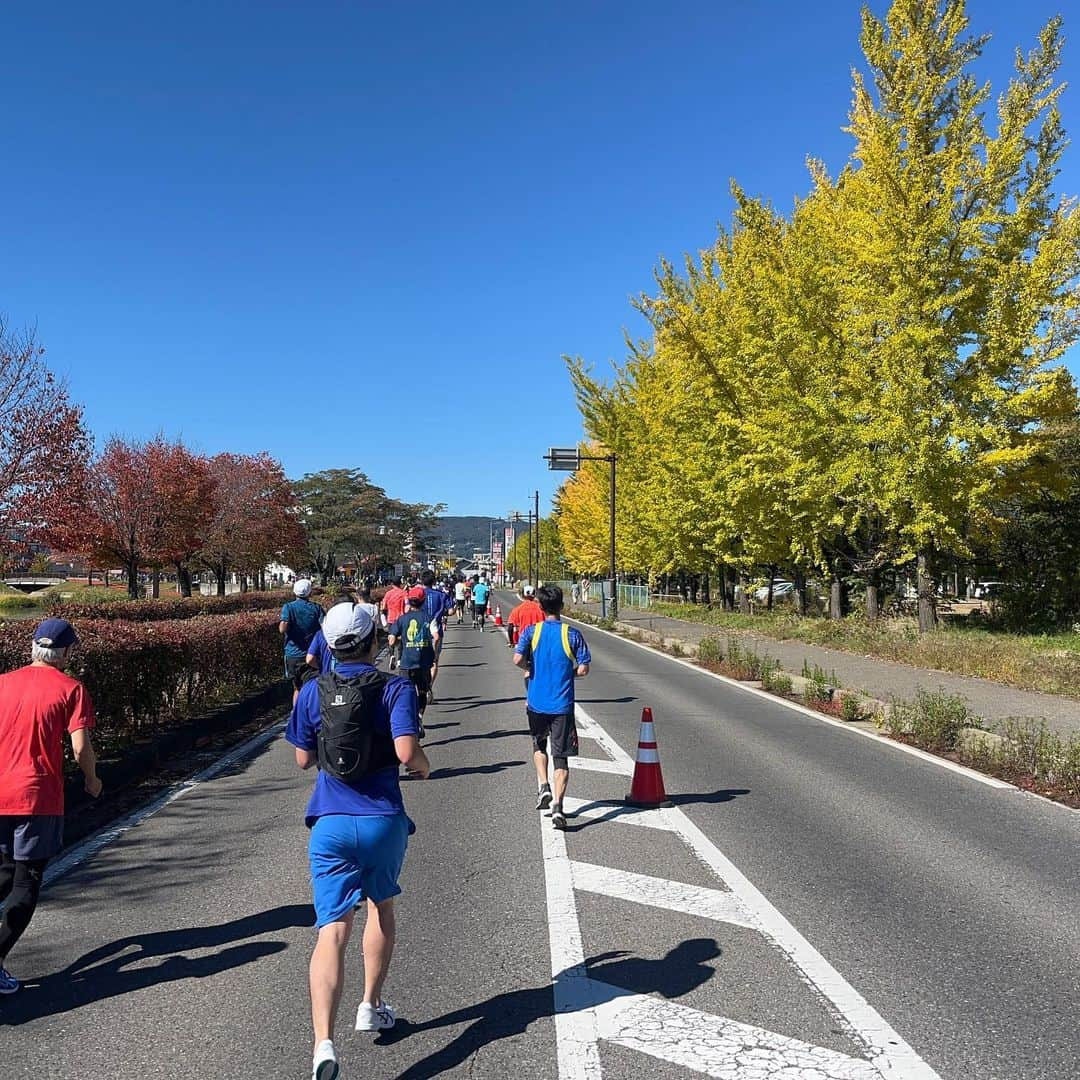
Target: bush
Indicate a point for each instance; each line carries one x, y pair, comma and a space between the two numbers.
144, 675
851, 709
776, 681
743, 662
710, 650
160, 610
933, 720
819, 688
16, 601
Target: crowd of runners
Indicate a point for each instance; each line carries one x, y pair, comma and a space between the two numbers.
359, 723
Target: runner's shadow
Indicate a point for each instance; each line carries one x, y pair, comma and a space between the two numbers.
479, 663
474, 770
606, 700
485, 703
478, 735
105, 972
449, 723
509, 1015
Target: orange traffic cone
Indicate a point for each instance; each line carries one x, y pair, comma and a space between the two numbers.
647, 787
498, 615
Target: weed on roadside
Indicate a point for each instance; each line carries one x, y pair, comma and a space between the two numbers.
776, 681
851, 709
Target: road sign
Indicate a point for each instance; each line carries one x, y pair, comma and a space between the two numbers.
563, 458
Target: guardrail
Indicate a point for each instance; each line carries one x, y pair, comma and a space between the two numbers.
636, 596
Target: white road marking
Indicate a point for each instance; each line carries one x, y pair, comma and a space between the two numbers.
717, 1046
658, 892
914, 751
587, 1009
95, 842
600, 765
608, 810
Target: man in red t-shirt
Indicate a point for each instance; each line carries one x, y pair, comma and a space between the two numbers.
527, 613
394, 603
38, 703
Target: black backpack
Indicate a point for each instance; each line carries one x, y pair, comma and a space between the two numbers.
350, 745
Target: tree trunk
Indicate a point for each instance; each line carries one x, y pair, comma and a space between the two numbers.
744, 593
837, 597
155, 583
725, 589
873, 597
133, 579
219, 574
262, 580
772, 583
705, 591
925, 586
183, 580
800, 592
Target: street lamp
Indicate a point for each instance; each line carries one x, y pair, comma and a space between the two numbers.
569, 459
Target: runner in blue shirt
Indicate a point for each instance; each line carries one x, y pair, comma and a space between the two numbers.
480, 592
557, 654
359, 828
300, 619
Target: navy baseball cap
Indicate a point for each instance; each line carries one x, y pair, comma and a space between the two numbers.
55, 634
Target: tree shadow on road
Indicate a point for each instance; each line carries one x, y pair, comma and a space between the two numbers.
484, 703
505, 1016
106, 972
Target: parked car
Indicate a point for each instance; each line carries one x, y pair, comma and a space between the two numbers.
781, 590
989, 590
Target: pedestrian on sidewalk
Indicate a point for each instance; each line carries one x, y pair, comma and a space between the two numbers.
38, 703
527, 613
300, 621
359, 725
419, 656
557, 654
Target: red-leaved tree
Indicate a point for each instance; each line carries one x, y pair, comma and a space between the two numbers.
43, 443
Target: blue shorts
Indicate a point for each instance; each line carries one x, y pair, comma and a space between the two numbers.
36, 836
353, 859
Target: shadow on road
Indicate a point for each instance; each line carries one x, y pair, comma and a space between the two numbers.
106, 972
485, 703
478, 735
507, 1015
615, 809
479, 663
710, 797
474, 770
607, 700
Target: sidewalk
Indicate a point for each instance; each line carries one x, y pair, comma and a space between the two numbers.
880, 679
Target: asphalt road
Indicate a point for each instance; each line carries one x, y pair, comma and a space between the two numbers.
816, 905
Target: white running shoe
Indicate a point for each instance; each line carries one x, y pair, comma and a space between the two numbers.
374, 1017
324, 1066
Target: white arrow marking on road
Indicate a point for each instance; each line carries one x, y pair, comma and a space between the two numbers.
658, 892
717, 1046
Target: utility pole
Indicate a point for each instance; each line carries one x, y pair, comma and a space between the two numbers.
537, 517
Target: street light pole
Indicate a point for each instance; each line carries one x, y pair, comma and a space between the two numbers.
537, 516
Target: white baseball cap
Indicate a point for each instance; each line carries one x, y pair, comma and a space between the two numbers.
302, 587
346, 626
529, 590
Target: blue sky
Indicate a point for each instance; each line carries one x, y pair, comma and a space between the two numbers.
363, 235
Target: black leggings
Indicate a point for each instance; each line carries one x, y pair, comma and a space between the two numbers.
20, 886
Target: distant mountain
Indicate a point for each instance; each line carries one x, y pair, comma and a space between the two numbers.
467, 534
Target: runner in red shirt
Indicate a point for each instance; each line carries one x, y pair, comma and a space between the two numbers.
38, 704
527, 613
394, 603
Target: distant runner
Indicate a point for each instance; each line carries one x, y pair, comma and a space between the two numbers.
300, 621
38, 704
418, 637
359, 725
393, 607
461, 594
480, 592
527, 613
557, 654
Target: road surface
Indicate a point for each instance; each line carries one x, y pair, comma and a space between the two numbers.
816, 905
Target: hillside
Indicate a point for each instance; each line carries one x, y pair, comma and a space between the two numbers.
467, 534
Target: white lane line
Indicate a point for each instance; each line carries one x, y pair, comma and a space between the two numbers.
575, 1022
717, 1046
914, 751
609, 810
95, 842
661, 893
600, 765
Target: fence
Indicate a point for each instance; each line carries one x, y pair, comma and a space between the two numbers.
636, 596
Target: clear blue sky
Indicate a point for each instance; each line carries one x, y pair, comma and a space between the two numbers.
360, 234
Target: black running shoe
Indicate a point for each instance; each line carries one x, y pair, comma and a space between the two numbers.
543, 800
558, 818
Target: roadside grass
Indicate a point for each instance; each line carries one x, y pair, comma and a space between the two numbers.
1046, 662
1025, 753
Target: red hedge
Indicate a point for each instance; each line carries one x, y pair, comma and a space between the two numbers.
179, 608
142, 675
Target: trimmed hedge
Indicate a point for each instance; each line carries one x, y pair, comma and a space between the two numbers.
161, 610
146, 675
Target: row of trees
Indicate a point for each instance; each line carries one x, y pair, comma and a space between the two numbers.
872, 381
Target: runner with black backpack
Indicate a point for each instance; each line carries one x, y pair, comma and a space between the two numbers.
358, 725
419, 637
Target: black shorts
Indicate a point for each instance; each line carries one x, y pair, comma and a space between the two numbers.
560, 726
420, 677
479, 609
297, 670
